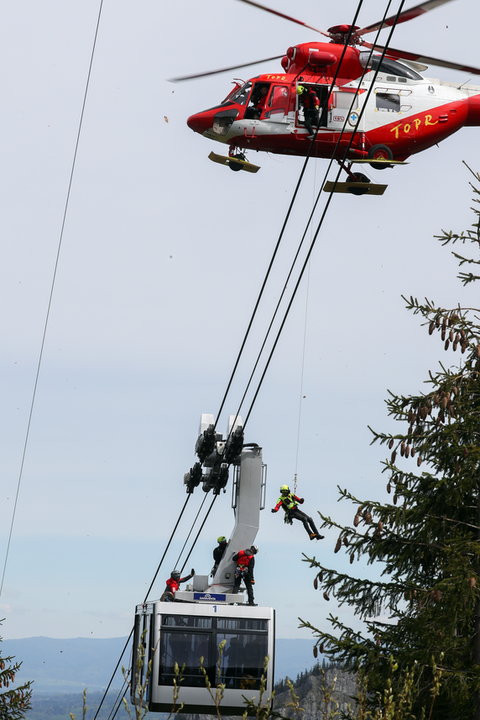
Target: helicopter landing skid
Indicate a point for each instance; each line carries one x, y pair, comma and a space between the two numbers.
357, 183
234, 162
355, 187
379, 163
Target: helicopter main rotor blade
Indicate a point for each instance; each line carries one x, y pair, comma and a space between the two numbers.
286, 17
225, 69
404, 55
409, 14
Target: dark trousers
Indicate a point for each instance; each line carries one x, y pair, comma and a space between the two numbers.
311, 120
307, 521
243, 574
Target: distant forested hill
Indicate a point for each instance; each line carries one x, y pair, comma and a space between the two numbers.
69, 666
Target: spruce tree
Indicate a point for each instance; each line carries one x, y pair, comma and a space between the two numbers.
14, 701
427, 539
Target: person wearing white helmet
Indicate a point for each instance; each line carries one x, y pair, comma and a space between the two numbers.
289, 502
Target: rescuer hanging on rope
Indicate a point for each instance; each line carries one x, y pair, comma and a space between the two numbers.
245, 560
173, 583
289, 502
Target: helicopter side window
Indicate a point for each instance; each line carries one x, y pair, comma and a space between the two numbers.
240, 95
345, 100
389, 102
278, 101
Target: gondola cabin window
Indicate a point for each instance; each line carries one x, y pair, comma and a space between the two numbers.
233, 650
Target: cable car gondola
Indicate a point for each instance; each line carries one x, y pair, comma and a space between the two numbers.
236, 643
207, 636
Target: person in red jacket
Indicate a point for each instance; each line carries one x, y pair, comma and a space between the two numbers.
289, 502
245, 560
310, 102
173, 583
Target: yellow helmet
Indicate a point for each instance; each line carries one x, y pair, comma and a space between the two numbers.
284, 489
221, 539
300, 89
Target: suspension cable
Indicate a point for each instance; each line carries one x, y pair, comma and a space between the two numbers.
290, 301
285, 221
327, 204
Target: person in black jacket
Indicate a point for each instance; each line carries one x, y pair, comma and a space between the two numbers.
219, 552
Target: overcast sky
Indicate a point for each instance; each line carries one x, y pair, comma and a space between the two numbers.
162, 258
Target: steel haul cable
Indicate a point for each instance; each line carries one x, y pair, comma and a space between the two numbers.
287, 310
292, 267
285, 221
392, 28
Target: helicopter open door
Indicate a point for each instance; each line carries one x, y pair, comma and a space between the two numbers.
322, 94
235, 642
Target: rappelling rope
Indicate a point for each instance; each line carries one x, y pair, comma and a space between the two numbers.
302, 371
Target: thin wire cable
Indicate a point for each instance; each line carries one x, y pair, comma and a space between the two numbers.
302, 372
285, 221
305, 325
49, 305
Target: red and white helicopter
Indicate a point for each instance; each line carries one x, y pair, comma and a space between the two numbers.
375, 106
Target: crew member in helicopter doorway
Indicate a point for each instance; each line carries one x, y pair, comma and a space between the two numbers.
310, 102
289, 502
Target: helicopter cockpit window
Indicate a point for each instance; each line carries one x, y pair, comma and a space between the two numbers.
240, 95
387, 65
388, 101
258, 100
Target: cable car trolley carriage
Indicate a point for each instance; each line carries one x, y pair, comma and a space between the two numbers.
208, 635
233, 640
